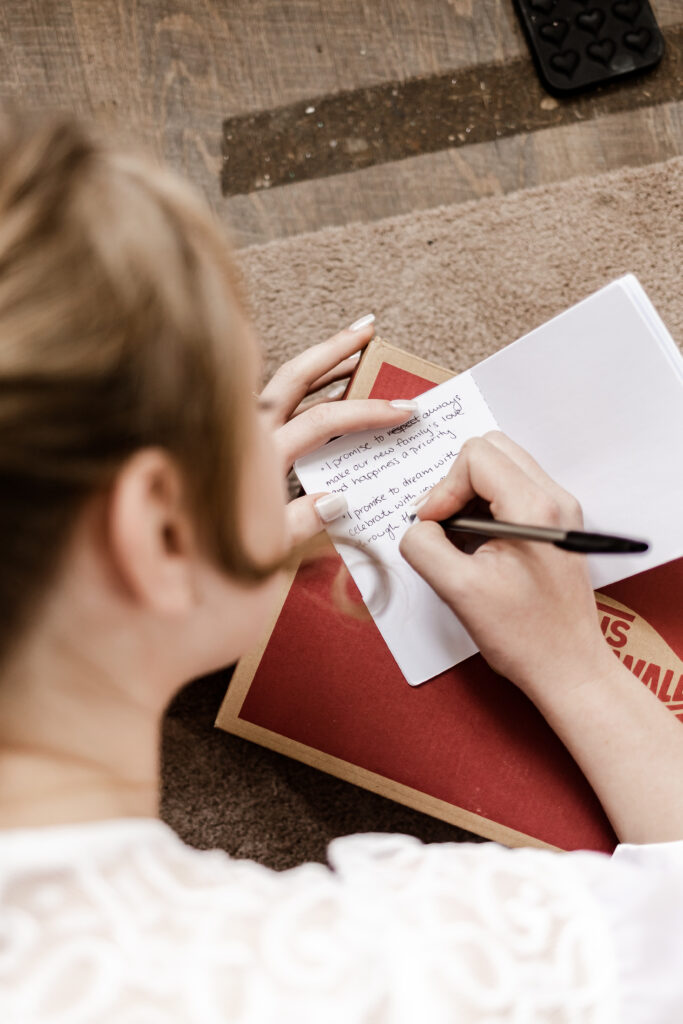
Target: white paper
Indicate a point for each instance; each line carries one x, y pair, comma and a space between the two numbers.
381, 473
596, 396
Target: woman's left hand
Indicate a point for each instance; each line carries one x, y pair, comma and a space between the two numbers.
303, 421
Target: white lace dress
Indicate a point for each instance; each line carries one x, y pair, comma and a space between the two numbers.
119, 921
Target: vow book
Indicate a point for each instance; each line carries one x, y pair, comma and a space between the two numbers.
595, 395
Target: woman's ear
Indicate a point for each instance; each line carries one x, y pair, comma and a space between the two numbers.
151, 536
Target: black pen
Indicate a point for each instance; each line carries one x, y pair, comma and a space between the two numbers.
570, 540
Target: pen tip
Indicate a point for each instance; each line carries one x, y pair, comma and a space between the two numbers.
639, 546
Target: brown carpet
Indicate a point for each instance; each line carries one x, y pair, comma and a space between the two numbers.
453, 284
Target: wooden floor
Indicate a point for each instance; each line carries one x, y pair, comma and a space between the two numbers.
168, 73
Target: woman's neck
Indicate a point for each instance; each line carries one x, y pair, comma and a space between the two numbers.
75, 743
38, 790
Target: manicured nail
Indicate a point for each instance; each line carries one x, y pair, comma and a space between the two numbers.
364, 321
337, 391
355, 357
331, 506
414, 506
404, 403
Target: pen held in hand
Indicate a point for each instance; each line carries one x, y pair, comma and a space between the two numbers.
569, 540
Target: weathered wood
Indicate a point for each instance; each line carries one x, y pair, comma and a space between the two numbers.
395, 120
165, 73
632, 138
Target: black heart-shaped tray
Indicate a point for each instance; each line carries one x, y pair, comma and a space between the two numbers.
579, 44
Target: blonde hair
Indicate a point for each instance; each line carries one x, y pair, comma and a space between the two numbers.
121, 327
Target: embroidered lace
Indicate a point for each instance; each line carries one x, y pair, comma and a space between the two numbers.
121, 922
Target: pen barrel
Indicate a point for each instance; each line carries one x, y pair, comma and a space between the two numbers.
496, 528
568, 540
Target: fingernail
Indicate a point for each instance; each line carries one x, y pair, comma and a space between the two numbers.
404, 403
414, 506
337, 391
355, 357
364, 321
331, 506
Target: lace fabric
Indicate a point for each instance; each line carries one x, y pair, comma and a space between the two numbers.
121, 922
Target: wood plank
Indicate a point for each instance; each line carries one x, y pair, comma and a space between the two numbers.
394, 120
237, 56
631, 138
165, 73
40, 63
175, 70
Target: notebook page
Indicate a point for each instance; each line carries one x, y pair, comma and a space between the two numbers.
381, 473
637, 293
596, 396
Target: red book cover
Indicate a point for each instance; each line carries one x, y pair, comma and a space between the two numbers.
467, 746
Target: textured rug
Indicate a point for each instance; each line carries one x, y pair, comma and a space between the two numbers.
453, 284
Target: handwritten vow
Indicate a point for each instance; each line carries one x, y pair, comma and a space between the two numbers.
382, 473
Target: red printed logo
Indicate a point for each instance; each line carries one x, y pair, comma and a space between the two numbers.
643, 651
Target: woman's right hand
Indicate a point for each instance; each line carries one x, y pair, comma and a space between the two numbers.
529, 606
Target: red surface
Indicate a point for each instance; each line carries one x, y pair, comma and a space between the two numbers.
468, 737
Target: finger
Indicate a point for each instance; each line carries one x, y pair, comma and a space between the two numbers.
334, 394
316, 426
344, 369
483, 470
293, 380
447, 570
308, 515
523, 458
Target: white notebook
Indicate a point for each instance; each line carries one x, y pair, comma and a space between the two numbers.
596, 396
